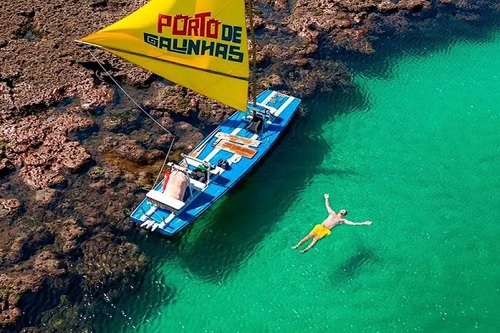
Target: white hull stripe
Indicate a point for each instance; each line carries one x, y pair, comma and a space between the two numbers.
276, 112
283, 107
268, 98
150, 212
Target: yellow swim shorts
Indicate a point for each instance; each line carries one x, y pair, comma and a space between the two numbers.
320, 231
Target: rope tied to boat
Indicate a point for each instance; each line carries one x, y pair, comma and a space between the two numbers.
144, 111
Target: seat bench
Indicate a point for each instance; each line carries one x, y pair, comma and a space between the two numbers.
197, 184
164, 200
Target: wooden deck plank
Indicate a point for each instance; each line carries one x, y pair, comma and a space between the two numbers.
238, 139
235, 148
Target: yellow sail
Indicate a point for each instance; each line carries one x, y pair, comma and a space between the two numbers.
199, 44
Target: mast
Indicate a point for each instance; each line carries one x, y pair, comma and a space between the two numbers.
254, 55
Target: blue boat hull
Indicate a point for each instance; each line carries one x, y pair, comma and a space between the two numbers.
282, 108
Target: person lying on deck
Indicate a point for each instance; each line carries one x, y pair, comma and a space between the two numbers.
324, 229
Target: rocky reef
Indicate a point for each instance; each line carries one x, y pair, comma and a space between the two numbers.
74, 154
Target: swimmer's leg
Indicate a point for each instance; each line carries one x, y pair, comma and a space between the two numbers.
303, 240
315, 239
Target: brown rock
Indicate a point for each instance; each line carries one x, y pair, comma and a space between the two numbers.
258, 22
96, 172
45, 196
15, 252
131, 150
124, 121
72, 156
280, 4
99, 186
193, 103
187, 136
152, 156
345, 23
5, 100
164, 141
68, 232
46, 262
167, 121
8, 206
93, 96
13, 286
305, 77
274, 82
5, 165
112, 175
168, 97
39, 146
38, 177
410, 5
107, 260
28, 243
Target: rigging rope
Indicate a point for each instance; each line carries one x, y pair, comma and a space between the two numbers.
140, 108
163, 165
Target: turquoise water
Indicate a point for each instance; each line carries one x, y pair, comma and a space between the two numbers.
416, 151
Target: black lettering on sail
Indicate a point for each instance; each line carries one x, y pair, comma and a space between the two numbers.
193, 47
207, 46
221, 50
182, 48
151, 39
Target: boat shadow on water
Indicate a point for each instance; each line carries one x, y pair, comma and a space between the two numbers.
233, 231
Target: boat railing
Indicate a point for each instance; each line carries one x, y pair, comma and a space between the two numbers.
260, 109
196, 162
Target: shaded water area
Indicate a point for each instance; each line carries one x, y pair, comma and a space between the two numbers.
413, 147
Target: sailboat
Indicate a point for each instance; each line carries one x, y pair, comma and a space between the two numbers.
203, 46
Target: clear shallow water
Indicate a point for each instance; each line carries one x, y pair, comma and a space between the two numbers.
417, 152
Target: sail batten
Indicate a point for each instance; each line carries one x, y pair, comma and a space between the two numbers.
201, 45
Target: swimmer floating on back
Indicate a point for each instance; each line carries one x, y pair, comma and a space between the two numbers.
324, 229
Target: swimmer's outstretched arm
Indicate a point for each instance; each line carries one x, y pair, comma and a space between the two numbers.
356, 223
327, 204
